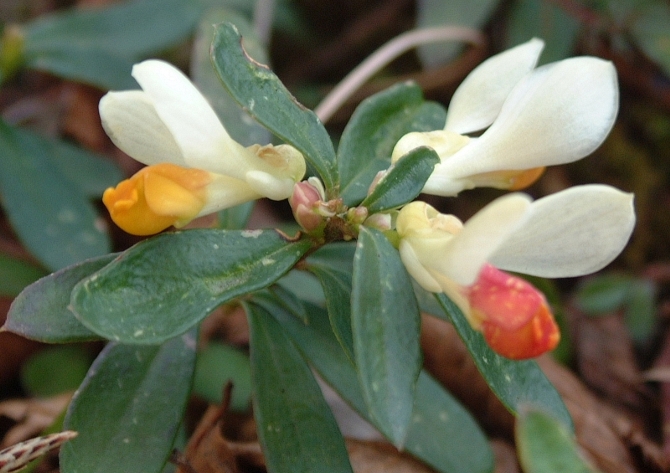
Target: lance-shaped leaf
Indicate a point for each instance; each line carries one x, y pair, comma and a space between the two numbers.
545, 445
515, 383
333, 266
295, 425
52, 217
374, 129
261, 93
129, 407
386, 330
163, 286
437, 418
403, 182
41, 311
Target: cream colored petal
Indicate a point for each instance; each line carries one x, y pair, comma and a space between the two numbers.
481, 236
557, 114
225, 192
269, 186
479, 98
130, 120
445, 143
204, 142
571, 233
416, 269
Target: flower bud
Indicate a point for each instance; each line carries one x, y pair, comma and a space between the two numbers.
305, 202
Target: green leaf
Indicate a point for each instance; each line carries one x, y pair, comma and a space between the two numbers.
437, 419
217, 364
241, 127
295, 426
333, 266
604, 294
537, 18
304, 285
51, 216
404, 181
16, 274
98, 45
545, 446
163, 286
385, 323
434, 13
129, 408
650, 32
515, 383
375, 127
41, 311
55, 370
261, 93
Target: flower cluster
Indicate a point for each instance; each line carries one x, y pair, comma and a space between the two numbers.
529, 118
506, 122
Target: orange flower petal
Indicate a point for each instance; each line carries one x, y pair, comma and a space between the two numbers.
157, 197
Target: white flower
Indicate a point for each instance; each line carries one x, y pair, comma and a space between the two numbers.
570, 233
532, 117
194, 166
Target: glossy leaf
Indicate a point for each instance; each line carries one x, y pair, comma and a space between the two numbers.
333, 266
217, 364
52, 217
165, 285
403, 182
295, 426
129, 408
536, 18
241, 127
16, 274
98, 45
437, 418
545, 445
41, 311
374, 129
515, 383
304, 286
385, 323
433, 13
261, 93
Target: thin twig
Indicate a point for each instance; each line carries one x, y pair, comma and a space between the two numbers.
387, 53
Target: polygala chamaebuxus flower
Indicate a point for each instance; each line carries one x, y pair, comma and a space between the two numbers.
530, 117
194, 166
571, 233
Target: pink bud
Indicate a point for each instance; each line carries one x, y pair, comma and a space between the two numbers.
305, 202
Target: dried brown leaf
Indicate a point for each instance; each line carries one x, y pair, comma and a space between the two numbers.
32, 416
